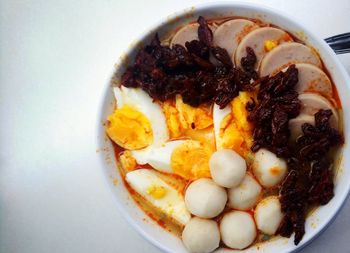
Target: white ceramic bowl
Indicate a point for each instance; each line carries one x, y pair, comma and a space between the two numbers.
319, 220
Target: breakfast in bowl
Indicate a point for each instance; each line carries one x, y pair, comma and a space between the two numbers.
226, 132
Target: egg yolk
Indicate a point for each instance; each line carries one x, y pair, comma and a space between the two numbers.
270, 44
235, 129
127, 161
230, 135
156, 192
194, 117
240, 112
190, 160
181, 118
172, 119
129, 128
203, 135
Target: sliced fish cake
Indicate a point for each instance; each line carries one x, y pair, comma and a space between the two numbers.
285, 55
311, 103
230, 33
312, 79
187, 33
261, 40
296, 123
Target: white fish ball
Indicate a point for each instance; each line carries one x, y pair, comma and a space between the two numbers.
201, 235
238, 229
204, 198
227, 168
244, 196
268, 168
268, 215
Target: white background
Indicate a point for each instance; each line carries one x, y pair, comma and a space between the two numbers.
54, 59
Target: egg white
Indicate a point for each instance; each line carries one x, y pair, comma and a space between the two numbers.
172, 203
142, 102
158, 157
218, 116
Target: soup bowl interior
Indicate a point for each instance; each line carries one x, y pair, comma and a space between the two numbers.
319, 219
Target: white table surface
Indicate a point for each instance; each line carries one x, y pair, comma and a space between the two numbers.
54, 60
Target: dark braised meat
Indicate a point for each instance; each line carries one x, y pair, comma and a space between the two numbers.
205, 35
313, 147
310, 180
164, 72
293, 198
222, 55
248, 63
277, 103
318, 139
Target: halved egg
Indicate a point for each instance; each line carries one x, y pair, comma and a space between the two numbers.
160, 194
159, 157
129, 128
190, 159
231, 127
137, 122
186, 158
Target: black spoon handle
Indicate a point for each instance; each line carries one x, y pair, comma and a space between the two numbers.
340, 43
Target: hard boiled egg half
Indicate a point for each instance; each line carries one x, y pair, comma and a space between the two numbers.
138, 121
160, 194
231, 127
186, 158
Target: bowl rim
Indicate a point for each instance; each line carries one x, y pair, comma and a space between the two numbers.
180, 12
